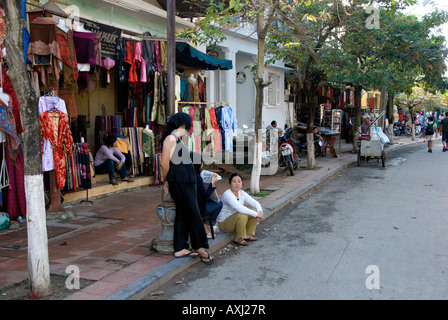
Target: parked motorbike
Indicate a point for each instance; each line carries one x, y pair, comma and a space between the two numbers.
400, 129
288, 156
302, 146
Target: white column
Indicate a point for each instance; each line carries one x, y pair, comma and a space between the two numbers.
231, 82
210, 86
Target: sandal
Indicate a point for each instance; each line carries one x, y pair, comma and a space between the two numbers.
241, 242
190, 254
250, 238
211, 260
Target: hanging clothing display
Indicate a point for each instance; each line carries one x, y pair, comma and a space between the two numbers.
79, 173
135, 136
54, 126
205, 133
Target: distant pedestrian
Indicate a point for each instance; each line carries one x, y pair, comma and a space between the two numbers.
444, 131
431, 133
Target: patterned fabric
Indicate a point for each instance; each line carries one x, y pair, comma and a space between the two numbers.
68, 56
8, 125
47, 103
54, 126
148, 143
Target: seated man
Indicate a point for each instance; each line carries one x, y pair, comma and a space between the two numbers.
365, 126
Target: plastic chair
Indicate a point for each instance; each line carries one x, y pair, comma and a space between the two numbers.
209, 218
327, 145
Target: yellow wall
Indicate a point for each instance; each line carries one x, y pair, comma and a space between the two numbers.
91, 104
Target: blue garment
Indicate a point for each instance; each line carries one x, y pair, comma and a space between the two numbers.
185, 89
26, 35
229, 126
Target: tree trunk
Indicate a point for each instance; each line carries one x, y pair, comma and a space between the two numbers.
357, 118
256, 167
311, 159
390, 114
259, 86
28, 98
383, 105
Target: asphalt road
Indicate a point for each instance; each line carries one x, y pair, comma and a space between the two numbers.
367, 233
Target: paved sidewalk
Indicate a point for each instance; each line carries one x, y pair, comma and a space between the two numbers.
109, 240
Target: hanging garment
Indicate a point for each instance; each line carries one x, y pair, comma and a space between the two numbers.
228, 124
68, 56
67, 94
201, 90
14, 196
120, 57
216, 132
147, 53
141, 62
158, 113
157, 58
85, 48
148, 143
47, 103
9, 89
44, 50
54, 125
130, 59
8, 126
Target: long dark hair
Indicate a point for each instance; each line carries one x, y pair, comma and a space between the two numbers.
176, 121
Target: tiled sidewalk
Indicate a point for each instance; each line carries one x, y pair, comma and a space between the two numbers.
109, 240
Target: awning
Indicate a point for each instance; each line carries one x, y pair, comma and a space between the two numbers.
186, 55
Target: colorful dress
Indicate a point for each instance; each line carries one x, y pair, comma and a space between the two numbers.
54, 126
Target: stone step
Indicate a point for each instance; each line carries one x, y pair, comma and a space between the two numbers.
102, 187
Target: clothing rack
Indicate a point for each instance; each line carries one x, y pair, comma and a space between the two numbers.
201, 103
213, 103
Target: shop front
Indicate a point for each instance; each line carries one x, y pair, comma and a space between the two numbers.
101, 68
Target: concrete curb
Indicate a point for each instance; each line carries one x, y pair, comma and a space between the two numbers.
160, 276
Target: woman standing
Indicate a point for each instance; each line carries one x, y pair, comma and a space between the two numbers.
235, 217
180, 182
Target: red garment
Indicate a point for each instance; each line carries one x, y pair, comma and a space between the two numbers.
54, 126
130, 59
201, 89
216, 132
68, 56
14, 196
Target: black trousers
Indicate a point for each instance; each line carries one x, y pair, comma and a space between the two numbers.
188, 222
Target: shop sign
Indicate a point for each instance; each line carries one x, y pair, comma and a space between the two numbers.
110, 37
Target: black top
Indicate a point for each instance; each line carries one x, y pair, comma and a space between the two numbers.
181, 166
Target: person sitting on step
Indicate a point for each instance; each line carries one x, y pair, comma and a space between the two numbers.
106, 162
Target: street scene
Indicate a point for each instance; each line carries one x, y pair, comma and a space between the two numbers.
329, 244
176, 150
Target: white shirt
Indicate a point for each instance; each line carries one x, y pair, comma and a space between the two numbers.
232, 204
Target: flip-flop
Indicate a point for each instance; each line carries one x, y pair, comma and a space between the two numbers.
191, 254
207, 258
